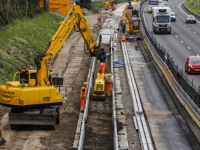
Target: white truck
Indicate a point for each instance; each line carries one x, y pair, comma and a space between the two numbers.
161, 20
151, 4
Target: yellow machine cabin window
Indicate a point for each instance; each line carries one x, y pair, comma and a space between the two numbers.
16, 77
24, 77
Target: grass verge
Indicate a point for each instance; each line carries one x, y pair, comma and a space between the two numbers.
22, 40
192, 6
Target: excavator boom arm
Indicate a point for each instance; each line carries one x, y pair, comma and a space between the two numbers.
59, 38
126, 15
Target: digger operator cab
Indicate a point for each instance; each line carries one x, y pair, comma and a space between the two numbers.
136, 24
26, 77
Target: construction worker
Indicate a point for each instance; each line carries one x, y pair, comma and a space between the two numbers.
83, 94
108, 83
115, 6
102, 61
117, 28
100, 17
109, 7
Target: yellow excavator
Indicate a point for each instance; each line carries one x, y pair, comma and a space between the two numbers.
132, 30
107, 4
32, 94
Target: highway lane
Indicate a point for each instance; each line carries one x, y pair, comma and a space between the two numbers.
184, 40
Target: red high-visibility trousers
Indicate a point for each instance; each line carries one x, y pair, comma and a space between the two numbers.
82, 103
105, 85
102, 67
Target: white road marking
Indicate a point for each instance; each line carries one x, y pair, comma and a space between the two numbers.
194, 32
181, 22
189, 28
181, 41
188, 47
185, 24
176, 36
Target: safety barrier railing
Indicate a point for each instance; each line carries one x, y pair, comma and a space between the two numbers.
191, 11
185, 90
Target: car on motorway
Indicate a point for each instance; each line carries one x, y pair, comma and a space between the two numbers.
173, 17
190, 19
192, 64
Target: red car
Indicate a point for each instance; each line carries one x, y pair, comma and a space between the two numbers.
192, 64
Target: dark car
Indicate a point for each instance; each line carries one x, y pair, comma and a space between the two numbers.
190, 19
192, 64
173, 17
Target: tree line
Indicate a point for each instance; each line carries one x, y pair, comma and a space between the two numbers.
17, 9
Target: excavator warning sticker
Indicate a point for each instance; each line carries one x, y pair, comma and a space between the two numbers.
46, 99
21, 102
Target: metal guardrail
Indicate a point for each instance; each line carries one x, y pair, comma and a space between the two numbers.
115, 135
191, 11
187, 93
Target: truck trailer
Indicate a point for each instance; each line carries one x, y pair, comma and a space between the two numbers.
161, 20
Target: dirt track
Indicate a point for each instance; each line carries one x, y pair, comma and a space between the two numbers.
71, 63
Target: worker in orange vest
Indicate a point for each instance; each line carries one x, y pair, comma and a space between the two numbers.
108, 83
109, 7
115, 6
83, 94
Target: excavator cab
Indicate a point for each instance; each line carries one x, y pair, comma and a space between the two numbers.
28, 78
136, 23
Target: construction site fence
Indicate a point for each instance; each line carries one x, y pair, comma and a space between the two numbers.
187, 85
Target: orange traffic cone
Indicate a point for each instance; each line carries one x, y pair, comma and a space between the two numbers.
123, 38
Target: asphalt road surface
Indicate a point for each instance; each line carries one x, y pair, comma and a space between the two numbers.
184, 40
